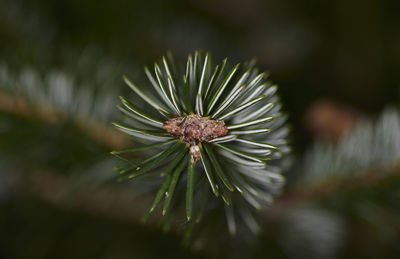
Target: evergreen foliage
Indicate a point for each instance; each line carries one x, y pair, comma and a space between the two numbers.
60, 78
247, 159
368, 147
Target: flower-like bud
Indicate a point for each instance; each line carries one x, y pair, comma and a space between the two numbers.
195, 128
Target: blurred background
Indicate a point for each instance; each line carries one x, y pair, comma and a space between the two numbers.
337, 64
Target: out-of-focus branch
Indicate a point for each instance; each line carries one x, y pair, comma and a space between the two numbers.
120, 204
107, 201
301, 194
99, 132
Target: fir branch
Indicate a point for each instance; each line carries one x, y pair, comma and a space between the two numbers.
240, 98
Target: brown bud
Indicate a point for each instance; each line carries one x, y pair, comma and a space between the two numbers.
195, 128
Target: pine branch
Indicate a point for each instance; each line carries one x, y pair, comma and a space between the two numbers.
229, 120
368, 146
100, 132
